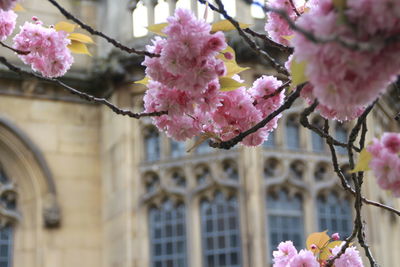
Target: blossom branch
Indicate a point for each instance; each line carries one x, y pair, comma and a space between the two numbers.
13, 49
268, 41
82, 95
235, 140
92, 31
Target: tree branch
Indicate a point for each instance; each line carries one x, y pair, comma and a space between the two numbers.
82, 95
92, 31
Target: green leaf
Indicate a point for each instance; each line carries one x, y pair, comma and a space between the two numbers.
143, 81
229, 84
232, 68
65, 26
297, 71
78, 48
157, 28
288, 37
79, 37
19, 8
319, 239
202, 138
363, 161
226, 25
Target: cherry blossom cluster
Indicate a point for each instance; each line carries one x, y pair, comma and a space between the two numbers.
184, 81
343, 79
46, 48
7, 4
7, 23
287, 256
385, 162
277, 27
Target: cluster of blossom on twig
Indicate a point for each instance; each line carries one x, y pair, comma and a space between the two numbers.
385, 161
342, 79
320, 250
186, 81
46, 49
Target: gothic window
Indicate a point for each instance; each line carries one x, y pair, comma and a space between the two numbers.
177, 149
161, 12
270, 142
152, 145
139, 17
272, 168
151, 182
168, 235
292, 133
320, 172
285, 219
178, 179
221, 232
334, 215
297, 169
341, 136
202, 175
8, 203
318, 143
230, 170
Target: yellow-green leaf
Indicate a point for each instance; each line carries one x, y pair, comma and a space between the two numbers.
19, 8
319, 239
157, 28
78, 48
83, 38
143, 81
65, 26
339, 4
326, 251
297, 71
229, 84
232, 68
363, 161
202, 138
288, 37
228, 49
226, 25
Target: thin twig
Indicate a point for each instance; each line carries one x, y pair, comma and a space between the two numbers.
92, 31
268, 41
19, 52
82, 95
220, 9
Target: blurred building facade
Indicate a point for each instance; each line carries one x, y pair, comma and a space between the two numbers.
82, 186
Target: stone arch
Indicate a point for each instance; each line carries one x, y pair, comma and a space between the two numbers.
25, 164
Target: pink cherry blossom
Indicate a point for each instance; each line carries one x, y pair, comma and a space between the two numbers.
335, 236
350, 258
286, 251
341, 77
48, 51
305, 258
391, 141
7, 23
7, 4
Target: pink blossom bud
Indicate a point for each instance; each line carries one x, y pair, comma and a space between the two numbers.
228, 55
335, 236
34, 18
313, 246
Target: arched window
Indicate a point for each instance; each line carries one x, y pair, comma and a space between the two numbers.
139, 18
270, 142
320, 172
230, 170
272, 168
221, 232
178, 179
204, 148
292, 134
334, 215
297, 169
285, 219
177, 149
151, 181
202, 174
341, 136
8, 202
152, 145
168, 235
318, 143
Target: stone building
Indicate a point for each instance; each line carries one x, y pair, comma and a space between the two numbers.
82, 186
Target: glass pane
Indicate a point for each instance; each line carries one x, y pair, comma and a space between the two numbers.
152, 146
221, 245
177, 149
318, 143
270, 142
168, 235
341, 136
292, 135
